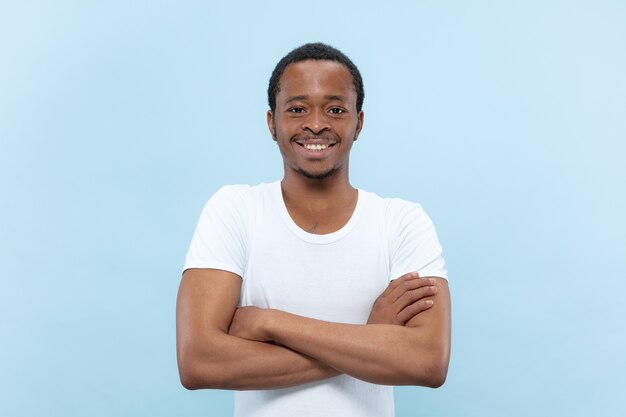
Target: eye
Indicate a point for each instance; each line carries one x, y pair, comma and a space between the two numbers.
337, 110
296, 110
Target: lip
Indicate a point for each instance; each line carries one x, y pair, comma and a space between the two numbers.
315, 141
314, 153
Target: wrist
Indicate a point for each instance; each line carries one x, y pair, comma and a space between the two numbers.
275, 323
267, 324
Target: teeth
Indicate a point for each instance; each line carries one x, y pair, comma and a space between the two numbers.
315, 146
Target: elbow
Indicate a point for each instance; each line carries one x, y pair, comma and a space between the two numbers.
189, 377
189, 382
436, 378
437, 371
186, 367
432, 373
195, 377
196, 373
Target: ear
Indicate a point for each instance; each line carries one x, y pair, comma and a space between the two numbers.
359, 124
271, 125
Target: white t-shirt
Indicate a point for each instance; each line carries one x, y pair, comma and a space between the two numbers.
336, 277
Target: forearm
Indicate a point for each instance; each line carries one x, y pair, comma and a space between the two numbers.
379, 353
208, 357
228, 362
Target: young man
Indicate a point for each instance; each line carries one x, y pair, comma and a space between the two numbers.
308, 296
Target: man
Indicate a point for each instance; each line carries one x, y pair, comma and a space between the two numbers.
341, 293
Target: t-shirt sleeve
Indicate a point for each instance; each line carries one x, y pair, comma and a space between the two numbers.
219, 241
413, 242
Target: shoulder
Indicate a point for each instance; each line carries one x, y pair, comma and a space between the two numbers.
241, 196
412, 239
404, 211
397, 211
236, 191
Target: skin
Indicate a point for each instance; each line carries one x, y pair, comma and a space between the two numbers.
210, 357
407, 337
414, 354
316, 104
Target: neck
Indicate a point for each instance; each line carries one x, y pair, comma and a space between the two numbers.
300, 188
319, 206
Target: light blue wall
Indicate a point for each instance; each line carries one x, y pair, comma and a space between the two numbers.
506, 120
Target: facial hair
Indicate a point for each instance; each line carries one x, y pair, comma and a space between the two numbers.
321, 176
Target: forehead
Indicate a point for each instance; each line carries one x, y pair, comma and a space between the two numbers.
316, 77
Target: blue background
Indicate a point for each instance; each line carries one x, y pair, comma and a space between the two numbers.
506, 120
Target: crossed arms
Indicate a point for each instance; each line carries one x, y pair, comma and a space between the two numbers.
405, 342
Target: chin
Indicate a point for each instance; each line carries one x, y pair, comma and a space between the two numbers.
317, 175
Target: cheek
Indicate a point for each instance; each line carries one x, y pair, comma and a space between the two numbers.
283, 148
277, 129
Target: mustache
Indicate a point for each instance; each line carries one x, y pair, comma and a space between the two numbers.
314, 137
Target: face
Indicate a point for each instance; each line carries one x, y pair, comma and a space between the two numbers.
315, 121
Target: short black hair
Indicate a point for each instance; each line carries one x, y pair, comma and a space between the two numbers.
318, 52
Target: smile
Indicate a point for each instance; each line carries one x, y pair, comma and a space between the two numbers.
316, 146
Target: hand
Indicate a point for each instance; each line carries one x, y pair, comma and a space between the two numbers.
248, 323
403, 299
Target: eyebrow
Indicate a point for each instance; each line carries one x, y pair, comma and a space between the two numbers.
296, 98
336, 98
328, 97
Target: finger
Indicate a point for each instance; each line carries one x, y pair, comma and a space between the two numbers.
409, 285
414, 309
408, 275
398, 281
410, 296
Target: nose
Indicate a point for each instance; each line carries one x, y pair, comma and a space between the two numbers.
316, 123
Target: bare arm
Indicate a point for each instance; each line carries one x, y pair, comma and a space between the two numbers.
210, 358
415, 354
